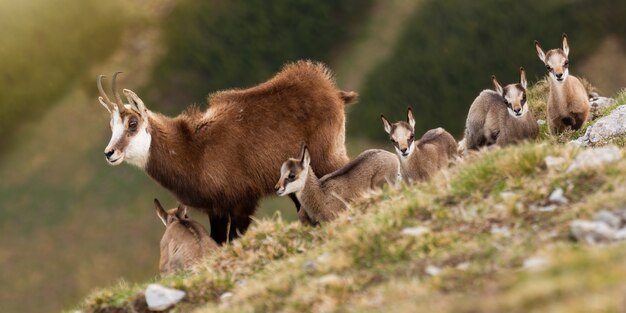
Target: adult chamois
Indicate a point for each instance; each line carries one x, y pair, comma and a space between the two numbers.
224, 159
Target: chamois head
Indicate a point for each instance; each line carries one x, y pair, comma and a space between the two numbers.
513, 95
130, 139
293, 173
402, 134
555, 60
184, 240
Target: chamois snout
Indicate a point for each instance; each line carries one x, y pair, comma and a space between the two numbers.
108, 154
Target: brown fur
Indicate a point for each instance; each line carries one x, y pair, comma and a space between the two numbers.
323, 198
434, 151
184, 242
223, 160
489, 122
568, 101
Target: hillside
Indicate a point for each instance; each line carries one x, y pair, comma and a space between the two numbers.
480, 237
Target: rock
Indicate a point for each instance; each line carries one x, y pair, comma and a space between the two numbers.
226, 296
463, 266
309, 266
592, 232
160, 298
432, 270
503, 231
541, 122
598, 103
608, 218
557, 197
546, 208
605, 128
595, 157
554, 161
415, 231
534, 263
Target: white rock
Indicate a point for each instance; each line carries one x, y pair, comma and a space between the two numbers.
546, 208
505, 195
533, 263
598, 103
608, 218
504, 231
432, 270
592, 232
614, 124
160, 298
463, 266
557, 197
595, 157
415, 231
554, 161
226, 296
541, 122
620, 234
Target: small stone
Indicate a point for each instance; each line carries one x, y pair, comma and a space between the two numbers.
546, 208
608, 218
160, 298
330, 280
554, 161
309, 266
432, 270
541, 122
557, 197
595, 157
592, 232
415, 231
463, 266
534, 263
507, 195
226, 296
503, 231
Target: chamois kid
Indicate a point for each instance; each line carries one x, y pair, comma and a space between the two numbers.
568, 102
184, 241
321, 199
500, 117
422, 158
224, 159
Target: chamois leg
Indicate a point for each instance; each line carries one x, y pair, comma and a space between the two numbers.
219, 227
240, 220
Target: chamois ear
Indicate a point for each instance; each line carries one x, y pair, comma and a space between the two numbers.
160, 211
522, 78
496, 85
565, 45
540, 53
181, 212
306, 157
386, 124
409, 117
136, 103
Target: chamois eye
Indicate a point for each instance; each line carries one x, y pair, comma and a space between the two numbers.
566, 63
548, 67
506, 102
412, 137
393, 141
132, 124
291, 176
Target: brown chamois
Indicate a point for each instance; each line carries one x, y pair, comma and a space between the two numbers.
322, 199
500, 117
224, 159
184, 241
568, 102
423, 158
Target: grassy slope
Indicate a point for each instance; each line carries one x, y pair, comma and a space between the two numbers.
362, 262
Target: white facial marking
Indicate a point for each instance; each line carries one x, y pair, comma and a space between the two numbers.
117, 131
138, 149
401, 135
292, 187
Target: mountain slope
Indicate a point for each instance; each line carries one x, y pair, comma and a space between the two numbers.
481, 236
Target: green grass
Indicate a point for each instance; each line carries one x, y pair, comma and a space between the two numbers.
362, 262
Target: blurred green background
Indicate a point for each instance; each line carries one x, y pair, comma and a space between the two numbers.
69, 222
